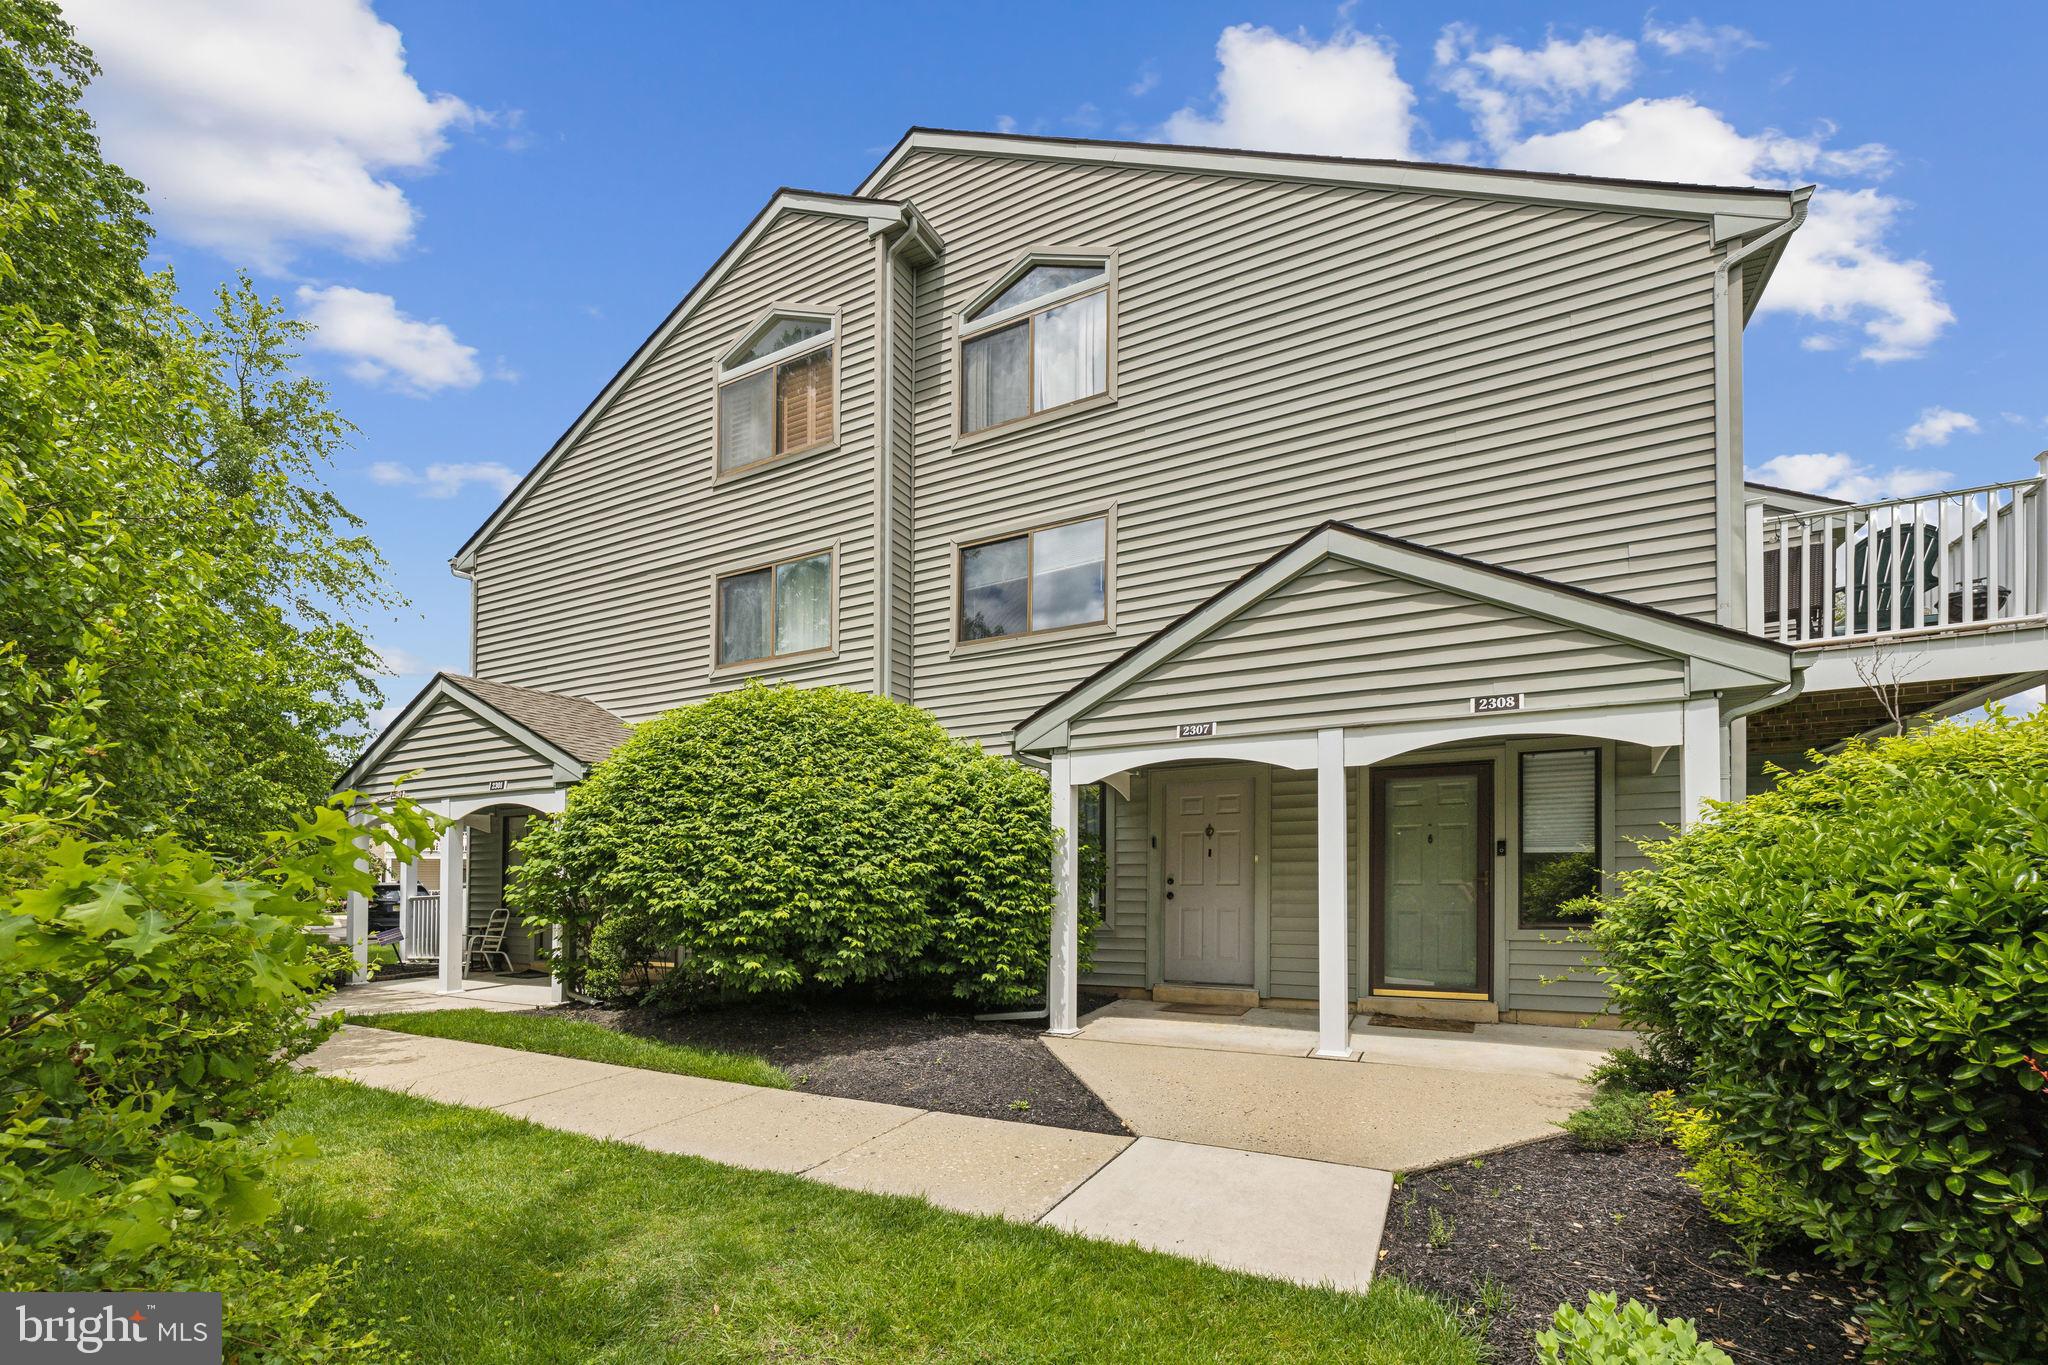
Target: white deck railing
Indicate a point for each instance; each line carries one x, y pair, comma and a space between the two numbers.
1968, 557
419, 927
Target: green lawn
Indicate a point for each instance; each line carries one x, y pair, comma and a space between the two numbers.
482, 1238
575, 1038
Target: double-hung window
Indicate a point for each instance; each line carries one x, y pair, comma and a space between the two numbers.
775, 391
1041, 343
1047, 579
1560, 852
776, 610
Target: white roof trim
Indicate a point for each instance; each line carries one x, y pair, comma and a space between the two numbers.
1716, 657
1684, 201
879, 215
568, 767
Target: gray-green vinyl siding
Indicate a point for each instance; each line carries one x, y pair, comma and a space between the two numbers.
1120, 939
1346, 645
450, 752
1293, 916
487, 889
599, 583
1529, 385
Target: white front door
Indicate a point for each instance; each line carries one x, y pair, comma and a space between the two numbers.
1208, 891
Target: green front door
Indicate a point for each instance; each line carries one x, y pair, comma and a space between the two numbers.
1432, 892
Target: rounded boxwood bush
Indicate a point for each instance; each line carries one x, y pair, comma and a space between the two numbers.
776, 839
1857, 963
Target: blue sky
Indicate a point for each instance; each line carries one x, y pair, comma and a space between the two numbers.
486, 207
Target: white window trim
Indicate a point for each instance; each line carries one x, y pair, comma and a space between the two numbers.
770, 662
722, 375
965, 331
956, 582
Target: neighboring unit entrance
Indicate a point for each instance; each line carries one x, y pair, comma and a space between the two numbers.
1432, 885
1208, 892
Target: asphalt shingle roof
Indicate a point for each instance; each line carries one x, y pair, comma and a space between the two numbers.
580, 728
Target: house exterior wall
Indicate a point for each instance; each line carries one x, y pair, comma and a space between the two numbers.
1532, 386
600, 583
449, 752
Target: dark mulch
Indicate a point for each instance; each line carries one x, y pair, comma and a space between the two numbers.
1551, 1223
897, 1053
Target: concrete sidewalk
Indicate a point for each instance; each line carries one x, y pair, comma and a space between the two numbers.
1206, 1202
416, 994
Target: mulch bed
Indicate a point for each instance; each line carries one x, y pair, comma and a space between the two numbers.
1551, 1223
914, 1054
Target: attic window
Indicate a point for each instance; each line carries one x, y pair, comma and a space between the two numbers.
1038, 340
776, 391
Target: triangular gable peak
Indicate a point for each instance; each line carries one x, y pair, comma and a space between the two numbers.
465, 737
1348, 628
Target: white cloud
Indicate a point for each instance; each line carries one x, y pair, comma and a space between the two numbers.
262, 127
1695, 39
1147, 82
1936, 426
1342, 97
1504, 86
1839, 268
445, 480
383, 345
1841, 476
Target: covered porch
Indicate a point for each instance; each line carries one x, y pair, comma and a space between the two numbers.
487, 757
1369, 778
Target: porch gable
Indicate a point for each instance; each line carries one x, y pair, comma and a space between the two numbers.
1354, 629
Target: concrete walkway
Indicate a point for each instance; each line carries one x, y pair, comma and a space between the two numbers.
1307, 1221
1407, 1099
413, 994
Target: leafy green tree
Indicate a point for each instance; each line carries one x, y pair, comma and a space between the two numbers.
175, 578
79, 252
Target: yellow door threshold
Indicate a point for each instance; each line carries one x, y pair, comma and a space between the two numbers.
1174, 993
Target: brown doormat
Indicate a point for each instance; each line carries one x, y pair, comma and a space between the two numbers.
1210, 1011
1412, 1021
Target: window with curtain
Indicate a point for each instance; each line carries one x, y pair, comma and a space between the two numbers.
775, 392
1042, 343
1036, 580
1560, 835
775, 610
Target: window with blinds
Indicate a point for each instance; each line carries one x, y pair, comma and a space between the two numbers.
1560, 834
775, 392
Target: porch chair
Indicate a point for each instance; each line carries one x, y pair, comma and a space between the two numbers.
489, 942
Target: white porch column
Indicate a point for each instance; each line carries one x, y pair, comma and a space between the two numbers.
454, 909
1701, 774
359, 916
1333, 901
1062, 986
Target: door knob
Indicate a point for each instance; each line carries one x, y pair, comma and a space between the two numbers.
1169, 895
1169, 881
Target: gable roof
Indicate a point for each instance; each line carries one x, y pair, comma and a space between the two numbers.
880, 215
1747, 208
568, 732
1717, 656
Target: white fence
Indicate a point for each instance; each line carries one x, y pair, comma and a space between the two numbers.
1968, 557
419, 927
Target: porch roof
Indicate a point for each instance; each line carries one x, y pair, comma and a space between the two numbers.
1671, 657
566, 733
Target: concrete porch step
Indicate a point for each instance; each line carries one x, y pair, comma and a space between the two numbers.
1170, 993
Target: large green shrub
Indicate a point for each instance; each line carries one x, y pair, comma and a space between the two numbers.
1857, 964
1610, 1333
151, 1004
778, 839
